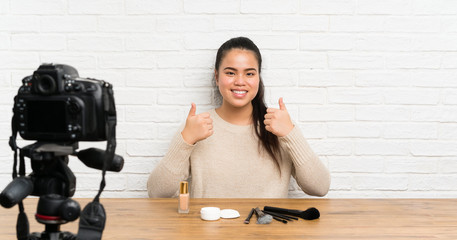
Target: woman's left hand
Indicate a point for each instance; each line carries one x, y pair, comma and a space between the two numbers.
277, 121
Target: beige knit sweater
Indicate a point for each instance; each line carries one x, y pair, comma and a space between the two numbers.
229, 164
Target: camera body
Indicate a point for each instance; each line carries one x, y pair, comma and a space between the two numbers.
55, 104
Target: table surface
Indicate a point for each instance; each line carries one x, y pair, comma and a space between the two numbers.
340, 219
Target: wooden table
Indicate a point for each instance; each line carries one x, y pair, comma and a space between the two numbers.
340, 219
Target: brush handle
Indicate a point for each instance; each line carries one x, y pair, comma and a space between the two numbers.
292, 212
259, 212
248, 219
286, 217
279, 219
308, 214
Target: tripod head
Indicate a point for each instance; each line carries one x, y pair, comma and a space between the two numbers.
51, 174
53, 181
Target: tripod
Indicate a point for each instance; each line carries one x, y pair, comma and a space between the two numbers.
54, 182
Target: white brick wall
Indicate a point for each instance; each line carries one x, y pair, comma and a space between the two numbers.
371, 83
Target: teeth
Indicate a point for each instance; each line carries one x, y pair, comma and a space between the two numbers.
239, 92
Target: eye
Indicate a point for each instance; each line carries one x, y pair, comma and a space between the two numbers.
230, 73
251, 74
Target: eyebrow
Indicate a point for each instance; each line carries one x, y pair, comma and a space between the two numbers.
234, 69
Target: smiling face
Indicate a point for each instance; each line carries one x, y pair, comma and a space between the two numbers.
238, 78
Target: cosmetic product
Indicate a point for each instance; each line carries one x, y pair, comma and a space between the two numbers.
262, 218
308, 214
183, 205
280, 220
229, 213
210, 213
214, 213
285, 217
248, 219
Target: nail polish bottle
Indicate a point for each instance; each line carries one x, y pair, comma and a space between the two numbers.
183, 205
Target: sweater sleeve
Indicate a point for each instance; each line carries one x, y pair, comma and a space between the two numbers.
311, 174
173, 168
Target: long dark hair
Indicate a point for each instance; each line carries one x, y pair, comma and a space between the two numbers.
268, 140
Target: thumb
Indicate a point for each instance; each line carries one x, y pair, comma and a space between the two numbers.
193, 109
282, 106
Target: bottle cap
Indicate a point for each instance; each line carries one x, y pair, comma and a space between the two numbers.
183, 187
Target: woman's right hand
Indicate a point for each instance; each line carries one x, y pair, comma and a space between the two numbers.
198, 126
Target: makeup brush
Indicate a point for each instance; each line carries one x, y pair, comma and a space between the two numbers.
276, 218
248, 219
262, 218
285, 217
308, 214
280, 220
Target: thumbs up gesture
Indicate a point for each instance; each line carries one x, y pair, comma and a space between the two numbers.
277, 121
198, 126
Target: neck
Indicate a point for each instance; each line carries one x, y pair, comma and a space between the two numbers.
234, 115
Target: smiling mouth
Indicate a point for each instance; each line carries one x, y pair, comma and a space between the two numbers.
239, 92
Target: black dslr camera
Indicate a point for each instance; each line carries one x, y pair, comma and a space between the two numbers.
57, 108
54, 104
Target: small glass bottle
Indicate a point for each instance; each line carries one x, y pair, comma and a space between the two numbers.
183, 205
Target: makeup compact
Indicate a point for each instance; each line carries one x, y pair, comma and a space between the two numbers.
214, 213
210, 213
229, 213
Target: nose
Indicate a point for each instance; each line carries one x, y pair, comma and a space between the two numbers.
239, 80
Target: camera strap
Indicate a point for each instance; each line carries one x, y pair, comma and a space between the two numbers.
22, 225
13, 144
93, 217
110, 131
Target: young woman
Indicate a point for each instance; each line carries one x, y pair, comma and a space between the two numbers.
241, 149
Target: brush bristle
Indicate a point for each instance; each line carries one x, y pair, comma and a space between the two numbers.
265, 219
310, 214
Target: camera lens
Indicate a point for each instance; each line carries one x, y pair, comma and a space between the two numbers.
46, 85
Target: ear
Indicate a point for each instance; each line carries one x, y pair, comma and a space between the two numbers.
216, 77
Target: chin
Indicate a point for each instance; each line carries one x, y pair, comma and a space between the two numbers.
239, 105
